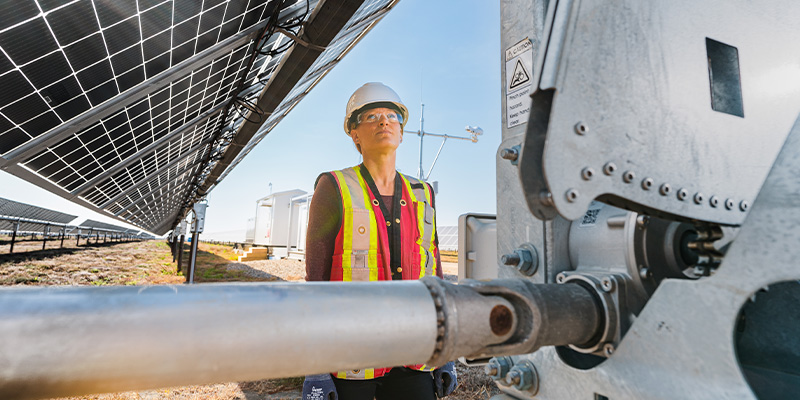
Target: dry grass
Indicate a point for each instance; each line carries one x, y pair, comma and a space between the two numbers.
449, 256
150, 263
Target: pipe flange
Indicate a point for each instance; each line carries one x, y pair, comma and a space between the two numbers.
605, 301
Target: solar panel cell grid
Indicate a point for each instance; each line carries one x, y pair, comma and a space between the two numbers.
60, 58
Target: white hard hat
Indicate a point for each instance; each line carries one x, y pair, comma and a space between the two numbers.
372, 93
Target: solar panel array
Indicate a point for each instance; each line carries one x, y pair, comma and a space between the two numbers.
124, 105
97, 225
448, 237
28, 218
13, 209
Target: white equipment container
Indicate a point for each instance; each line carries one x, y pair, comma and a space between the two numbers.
273, 227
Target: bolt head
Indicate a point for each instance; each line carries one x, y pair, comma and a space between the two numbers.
683, 194
744, 205
560, 278
729, 204
713, 201
572, 195
642, 221
609, 168
628, 176
587, 173
607, 284
644, 273
698, 198
608, 349
664, 189
647, 183
581, 128
510, 154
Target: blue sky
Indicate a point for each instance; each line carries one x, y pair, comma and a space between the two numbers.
445, 54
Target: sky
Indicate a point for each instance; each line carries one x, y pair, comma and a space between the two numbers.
445, 54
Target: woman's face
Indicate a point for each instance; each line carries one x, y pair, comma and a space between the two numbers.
379, 130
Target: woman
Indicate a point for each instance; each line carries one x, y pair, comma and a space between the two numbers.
370, 223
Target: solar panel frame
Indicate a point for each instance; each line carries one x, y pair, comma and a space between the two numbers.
130, 111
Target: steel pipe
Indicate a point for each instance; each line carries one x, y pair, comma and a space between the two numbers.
65, 341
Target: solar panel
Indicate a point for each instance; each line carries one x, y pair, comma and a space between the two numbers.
13, 209
448, 238
138, 108
102, 226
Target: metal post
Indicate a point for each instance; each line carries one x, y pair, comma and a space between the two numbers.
63, 233
174, 247
14, 237
193, 257
421, 137
180, 251
78, 238
44, 236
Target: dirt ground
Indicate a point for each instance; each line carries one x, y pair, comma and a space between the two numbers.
150, 263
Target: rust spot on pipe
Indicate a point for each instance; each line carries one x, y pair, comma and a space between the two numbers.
500, 320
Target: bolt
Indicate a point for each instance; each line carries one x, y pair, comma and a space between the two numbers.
609, 168
525, 258
628, 176
642, 221
729, 204
560, 278
572, 195
510, 154
683, 194
698, 198
546, 198
587, 173
498, 367
510, 259
607, 284
608, 349
523, 377
664, 189
644, 273
581, 128
714, 201
647, 183
743, 206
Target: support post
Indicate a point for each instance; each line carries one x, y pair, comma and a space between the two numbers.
44, 236
193, 257
14, 237
78, 240
62, 233
180, 251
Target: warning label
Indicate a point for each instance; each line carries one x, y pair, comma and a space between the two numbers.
519, 75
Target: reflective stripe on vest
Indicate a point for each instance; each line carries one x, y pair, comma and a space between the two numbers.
362, 240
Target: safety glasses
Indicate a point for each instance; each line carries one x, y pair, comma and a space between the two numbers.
372, 117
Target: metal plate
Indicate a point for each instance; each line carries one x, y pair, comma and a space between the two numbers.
635, 76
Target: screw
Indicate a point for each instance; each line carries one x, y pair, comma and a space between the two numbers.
607, 284
698, 198
665, 189
572, 195
642, 221
729, 204
683, 194
644, 273
714, 201
587, 173
608, 349
581, 128
647, 183
609, 168
628, 176
560, 278
509, 154
744, 205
